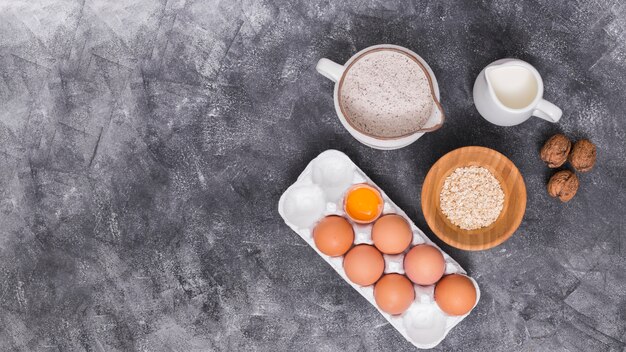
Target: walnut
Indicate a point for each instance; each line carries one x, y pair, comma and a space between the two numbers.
563, 184
583, 155
555, 150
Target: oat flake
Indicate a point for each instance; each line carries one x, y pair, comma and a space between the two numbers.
471, 198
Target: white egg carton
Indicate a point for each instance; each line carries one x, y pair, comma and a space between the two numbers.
318, 192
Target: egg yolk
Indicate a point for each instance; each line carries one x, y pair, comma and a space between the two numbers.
363, 204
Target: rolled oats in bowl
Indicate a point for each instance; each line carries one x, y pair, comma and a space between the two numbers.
471, 198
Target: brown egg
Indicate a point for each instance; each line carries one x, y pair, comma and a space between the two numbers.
364, 264
455, 294
333, 236
424, 264
391, 234
394, 293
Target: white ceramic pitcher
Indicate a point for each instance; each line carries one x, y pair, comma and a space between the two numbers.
509, 91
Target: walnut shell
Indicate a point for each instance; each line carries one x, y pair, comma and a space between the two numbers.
583, 155
564, 185
555, 150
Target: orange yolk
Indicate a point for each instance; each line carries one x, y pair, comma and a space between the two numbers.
363, 204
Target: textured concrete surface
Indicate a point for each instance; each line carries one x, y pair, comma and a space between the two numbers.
144, 145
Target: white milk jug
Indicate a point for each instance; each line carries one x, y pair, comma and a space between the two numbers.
509, 91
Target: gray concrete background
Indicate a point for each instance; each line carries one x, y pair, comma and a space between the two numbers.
144, 145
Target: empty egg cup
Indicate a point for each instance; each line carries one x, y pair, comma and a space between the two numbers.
424, 322
303, 204
334, 172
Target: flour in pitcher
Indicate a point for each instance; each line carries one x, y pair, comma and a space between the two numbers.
386, 94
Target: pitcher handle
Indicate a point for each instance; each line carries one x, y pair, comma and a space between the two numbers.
329, 69
548, 111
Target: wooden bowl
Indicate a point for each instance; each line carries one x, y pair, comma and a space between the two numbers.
510, 180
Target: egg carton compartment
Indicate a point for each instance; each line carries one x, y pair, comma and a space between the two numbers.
318, 192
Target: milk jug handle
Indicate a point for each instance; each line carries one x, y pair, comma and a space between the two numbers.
329, 69
547, 111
